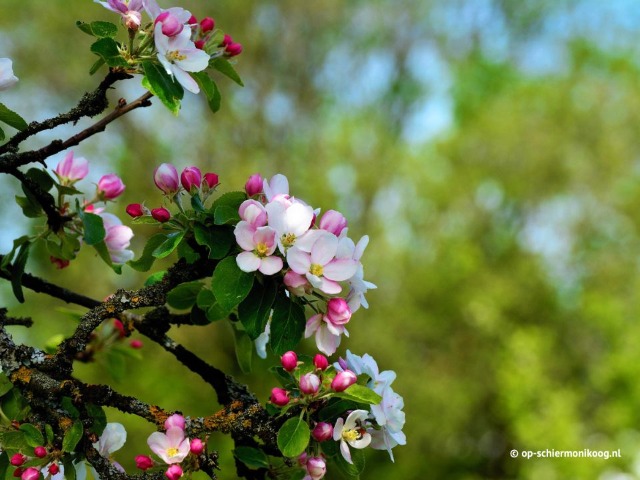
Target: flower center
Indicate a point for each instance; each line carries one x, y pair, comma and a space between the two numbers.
350, 435
288, 239
316, 269
173, 451
175, 55
261, 249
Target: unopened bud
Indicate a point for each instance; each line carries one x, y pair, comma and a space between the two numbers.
174, 472
309, 383
40, 452
135, 210
207, 24
143, 462
196, 446
254, 185
17, 459
321, 362
279, 396
289, 361
322, 432
343, 380
161, 214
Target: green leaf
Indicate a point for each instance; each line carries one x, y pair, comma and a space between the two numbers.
218, 239
13, 440
210, 89
168, 245
2, 137
226, 215
48, 429
14, 405
96, 66
244, 350
103, 29
255, 309
94, 231
42, 178
155, 278
32, 435
224, 67
30, 208
183, 296
11, 118
4, 464
252, 457
69, 468
360, 394
187, 252
5, 385
348, 469
103, 253
229, 199
287, 325
144, 263
99, 418
198, 316
229, 284
70, 408
293, 437
67, 190
162, 85
18, 270
207, 302
336, 408
108, 50
196, 203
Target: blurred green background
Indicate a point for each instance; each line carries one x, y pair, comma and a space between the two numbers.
489, 148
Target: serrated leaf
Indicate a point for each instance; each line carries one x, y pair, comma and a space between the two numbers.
287, 325
144, 263
218, 239
67, 190
244, 350
252, 457
155, 278
32, 435
69, 468
360, 394
254, 310
168, 245
70, 408
42, 178
162, 85
183, 296
210, 89
11, 118
104, 29
224, 67
232, 200
108, 50
5, 385
48, 429
229, 284
207, 302
293, 437
13, 440
188, 253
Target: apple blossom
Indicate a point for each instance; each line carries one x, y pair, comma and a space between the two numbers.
322, 432
316, 467
350, 432
196, 447
174, 472
296, 284
178, 55
207, 24
165, 176
309, 383
191, 179
117, 238
343, 380
161, 214
71, 169
17, 459
129, 10
289, 361
144, 462
262, 340
253, 212
391, 419
110, 186
171, 447
258, 245
171, 24
7, 78
211, 180
53, 468
253, 185
113, 438
136, 210
175, 421
333, 221
279, 396
30, 473
278, 185
40, 451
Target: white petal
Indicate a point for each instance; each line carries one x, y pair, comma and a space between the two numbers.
298, 260
325, 249
326, 342
340, 269
344, 450
248, 262
185, 79
270, 265
244, 235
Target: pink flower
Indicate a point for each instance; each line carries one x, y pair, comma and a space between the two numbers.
71, 169
178, 55
110, 186
171, 24
297, 284
289, 361
191, 179
174, 472
333, 221
278, 185
144, 462
253, 185
7, 78
171, 447
259, 245
175, 421
118, 238
338, 315
316, 467
197, 447
309, 383
343, 380
321, 267
165, 176
233, 49
129, 11
30, 473
161, 214
253, 212
279, 396
322, 432
291, 220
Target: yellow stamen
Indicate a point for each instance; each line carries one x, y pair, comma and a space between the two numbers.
174, 55
316, 269
261, 250
172, 451
288, 239
350, 435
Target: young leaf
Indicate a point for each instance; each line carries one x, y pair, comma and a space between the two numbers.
32, 435
293, 437
224, 67
225, 215
184, 296
336, 408
103, 29
252, 457
162, 85
360, 394
229, 284
30, 208
155, 278
218, 239
210, 89
107, 49
11, 118
168, 245
255, 309
232, 200
94, 231
144, 263
354, 469
207, 302
244, 350
287, 325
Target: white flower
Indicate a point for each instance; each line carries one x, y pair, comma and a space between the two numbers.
262, 340
113, 438
7, 78
352, 433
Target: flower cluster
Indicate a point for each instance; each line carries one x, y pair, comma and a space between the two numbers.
377, 421
172, 447
279, 233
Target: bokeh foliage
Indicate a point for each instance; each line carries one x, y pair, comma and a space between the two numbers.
490, 150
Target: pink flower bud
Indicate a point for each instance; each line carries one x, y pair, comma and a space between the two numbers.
166, 178
226, 40
17, 459
135, 210
302, 459
161, 214
30, 474
200, 44
338, 312
343, 380
132, 19
110, 186
309, 383
297, 284
316, 467
191, 179
254, 185
207, 24
233, 49
333, 222
279, 396
289, 361
54, 469
192, 20
322, 432
143, 462
17, 473
196, 446
71, 169
136, 344
321, 362
59, 263
211, 180
174, 472
40, 452
174, 421
171, 25
117, 324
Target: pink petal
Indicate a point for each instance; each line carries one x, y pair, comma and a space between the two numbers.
248, 262
324, 249
266, 235
298, 260
340, 269
270, 265
326, 342
244, 235
312, 325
